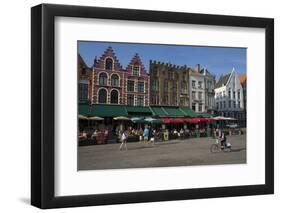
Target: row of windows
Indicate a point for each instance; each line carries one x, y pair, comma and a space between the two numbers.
154, 99
200, 107
102, 96
103, 79
155, 86
131, 100
209, 84
131, 86
115, 82
222, 104
223, 94
114, 96
200, 95
200, 84
83, 92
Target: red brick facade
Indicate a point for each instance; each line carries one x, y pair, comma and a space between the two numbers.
110, 81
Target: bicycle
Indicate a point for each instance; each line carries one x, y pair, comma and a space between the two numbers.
217, 147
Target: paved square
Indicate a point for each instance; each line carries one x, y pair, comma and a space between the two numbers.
163, 154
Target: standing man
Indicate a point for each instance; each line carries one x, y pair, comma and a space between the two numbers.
145, 134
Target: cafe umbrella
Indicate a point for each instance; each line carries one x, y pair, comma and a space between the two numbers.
121, 118
82, 117
152, 121
96, 118
231, 119
221, 119
137, 120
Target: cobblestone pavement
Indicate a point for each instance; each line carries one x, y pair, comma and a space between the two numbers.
162, 154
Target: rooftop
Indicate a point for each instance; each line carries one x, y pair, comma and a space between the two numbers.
222, 80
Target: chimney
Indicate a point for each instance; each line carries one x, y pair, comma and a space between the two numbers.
197, 68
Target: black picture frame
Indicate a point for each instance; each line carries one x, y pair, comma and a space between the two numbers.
43, 105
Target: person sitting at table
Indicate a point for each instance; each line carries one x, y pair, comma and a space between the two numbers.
176, 133
140, 134
134, 131
181, 133
186, 133
95, 133
82, 135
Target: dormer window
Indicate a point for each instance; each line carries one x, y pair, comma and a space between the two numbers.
136, 70
108, 64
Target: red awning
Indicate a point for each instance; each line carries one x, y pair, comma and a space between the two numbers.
183, 120
177, 120
166, 120
206, 119
193, 120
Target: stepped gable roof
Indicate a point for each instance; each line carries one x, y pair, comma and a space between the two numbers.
136, 60
222, 80
99, 63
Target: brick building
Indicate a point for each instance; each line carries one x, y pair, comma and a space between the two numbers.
137, 87
112, 84
169, 84
84, 80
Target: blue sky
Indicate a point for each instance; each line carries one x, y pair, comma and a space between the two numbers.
218, 60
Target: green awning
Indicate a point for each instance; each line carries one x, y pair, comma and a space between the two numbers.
188, 112
138, 110
103, 110
204, 115
173, 111
158, 111
83, 109
107, 110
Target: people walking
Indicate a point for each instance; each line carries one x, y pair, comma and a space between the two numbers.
145, 134
153, 136
124, 137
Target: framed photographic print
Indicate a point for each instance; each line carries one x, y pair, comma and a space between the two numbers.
136, 106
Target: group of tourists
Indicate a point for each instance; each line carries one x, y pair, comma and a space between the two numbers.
146, 136
97, 134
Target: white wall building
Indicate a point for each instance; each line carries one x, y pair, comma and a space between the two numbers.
210, 82
197, 90
229, 95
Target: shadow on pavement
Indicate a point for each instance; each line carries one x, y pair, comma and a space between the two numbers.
141, 147
166, 143
237, 150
